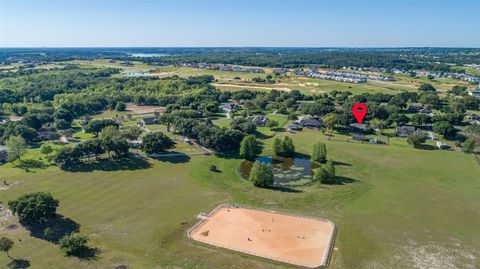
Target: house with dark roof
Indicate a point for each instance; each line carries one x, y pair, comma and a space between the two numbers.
230, 107
148, 121
259, 120
404, 131
295, 126
414, 108
311, 123
362, 127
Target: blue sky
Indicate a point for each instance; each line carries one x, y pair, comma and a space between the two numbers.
190, 23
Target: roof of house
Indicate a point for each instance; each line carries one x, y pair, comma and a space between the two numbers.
311, 123
361, 126
149, 119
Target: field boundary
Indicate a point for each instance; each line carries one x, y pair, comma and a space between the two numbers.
205, 217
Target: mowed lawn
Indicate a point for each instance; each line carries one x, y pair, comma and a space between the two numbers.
398, 207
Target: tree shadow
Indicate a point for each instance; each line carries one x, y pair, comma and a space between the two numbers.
127, 163
54, 229
283, 189
228, 155
261, 135
18, 264
87, 253
341, 163
172, 157
339, 180
301, 155
426, 147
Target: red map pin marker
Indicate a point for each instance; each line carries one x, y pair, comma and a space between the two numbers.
359, 110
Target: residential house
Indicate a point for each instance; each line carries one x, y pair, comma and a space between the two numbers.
295, 126
441, 145
360, 127
148, 121
259, 120
415, 108
475, 92
311, 123
230, 107
404, 131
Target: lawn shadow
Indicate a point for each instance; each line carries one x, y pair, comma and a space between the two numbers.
127, 163
228, 155
283, 189
18, 264
339, 180
87, 253
54, 229
171, 157
426, 147
301, 155
261, 135
341, 163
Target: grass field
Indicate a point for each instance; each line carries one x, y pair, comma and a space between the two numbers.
397, 207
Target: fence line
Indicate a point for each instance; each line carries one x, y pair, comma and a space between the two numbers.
328, 249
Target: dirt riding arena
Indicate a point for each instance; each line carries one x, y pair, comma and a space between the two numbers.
291, 239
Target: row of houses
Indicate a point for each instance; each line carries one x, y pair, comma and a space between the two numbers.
465, 77
224, 67
342, 76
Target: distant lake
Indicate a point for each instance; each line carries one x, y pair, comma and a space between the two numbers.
145, 55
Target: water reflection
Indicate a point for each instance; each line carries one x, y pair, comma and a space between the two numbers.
286, 171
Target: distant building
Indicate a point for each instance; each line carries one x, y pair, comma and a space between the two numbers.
360, 127
475, 93
415, 108
441, 145
294, 127
404, 131
358, 137
311, 123
259, 120
230, 107
148, 121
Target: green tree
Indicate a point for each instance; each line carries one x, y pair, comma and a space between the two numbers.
249, 148
426, 88
121, 106
288, 148
74, 244
420, 119
321, 175
444, 128
277, 147
34, 208
156, 143
319, 153
166, 119
330, 167
6, 244
469, 145
261, 175
16, 148
46, 149
416, 140
330, 120
132, 132
273, 124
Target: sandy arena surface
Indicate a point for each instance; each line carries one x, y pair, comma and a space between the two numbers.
290, 239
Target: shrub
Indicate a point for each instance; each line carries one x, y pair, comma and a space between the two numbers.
74, 244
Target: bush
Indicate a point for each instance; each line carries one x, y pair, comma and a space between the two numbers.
444, 128
74, 244
416, 140
213, 168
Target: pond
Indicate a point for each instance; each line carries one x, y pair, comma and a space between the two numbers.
286, 171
